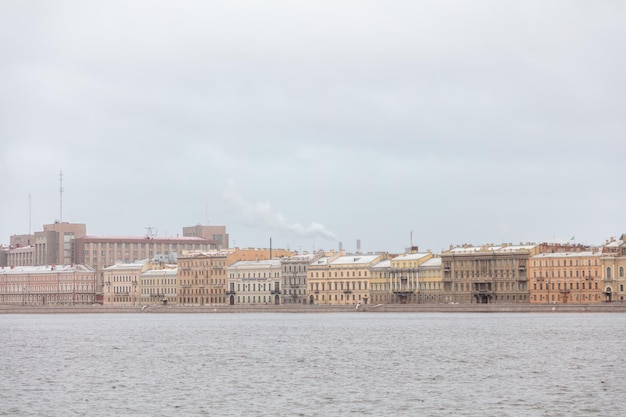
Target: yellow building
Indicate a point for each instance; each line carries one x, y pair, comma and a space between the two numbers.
341, 280
380, 284
404, 277
158, 286
430, 284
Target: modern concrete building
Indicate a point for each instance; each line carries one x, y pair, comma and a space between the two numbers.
48, 285
21, 256
486, 274
55, 244
255, 282
217, 234
566, 277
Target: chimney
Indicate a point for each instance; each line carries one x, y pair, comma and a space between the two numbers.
358, 245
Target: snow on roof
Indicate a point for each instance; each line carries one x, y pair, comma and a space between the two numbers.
383, 264
266, 263
135, 265
434, 262
567, 254
410, 256
160, 272
45, 269
354, 259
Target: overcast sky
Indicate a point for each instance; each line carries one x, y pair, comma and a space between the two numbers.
316, 122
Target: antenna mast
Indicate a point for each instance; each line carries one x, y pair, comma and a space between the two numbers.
61, 196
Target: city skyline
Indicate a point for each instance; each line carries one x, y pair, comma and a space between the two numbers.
322, 123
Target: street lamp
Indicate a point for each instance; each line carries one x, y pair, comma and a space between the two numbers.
134, 291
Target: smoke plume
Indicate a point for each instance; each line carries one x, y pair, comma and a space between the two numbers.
263, 212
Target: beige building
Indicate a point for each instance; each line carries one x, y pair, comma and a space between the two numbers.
614, 269
255, 282
404, 277
202, 277
158, 285
48, 285
430, 284
486, 274
380, 282
341, 280
122, 283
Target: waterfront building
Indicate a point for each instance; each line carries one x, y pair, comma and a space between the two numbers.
486, 274
380, 283
216, 234
342, 280
122, 283
47, 285
294, 277
202, 277
404, 276
566, 277
614, 269
158, 285
430, 284
255, 282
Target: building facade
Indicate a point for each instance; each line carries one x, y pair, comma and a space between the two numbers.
430, 285
566, 277
122, 283
341, 280
294, 278
380, 282
486, 274
255, 282
216, 234
158, 285
404, 277
202, 277
48, 285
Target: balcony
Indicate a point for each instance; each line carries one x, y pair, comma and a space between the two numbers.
275, 292
230, 292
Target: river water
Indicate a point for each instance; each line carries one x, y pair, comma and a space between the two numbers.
316, 364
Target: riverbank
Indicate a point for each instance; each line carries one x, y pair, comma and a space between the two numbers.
296, 308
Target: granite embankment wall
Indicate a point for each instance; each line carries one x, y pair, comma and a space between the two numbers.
381, 308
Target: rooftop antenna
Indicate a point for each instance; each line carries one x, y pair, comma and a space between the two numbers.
61, 196
411, 239
149, 230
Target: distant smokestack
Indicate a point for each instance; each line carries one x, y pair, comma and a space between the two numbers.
340, 246
358, 245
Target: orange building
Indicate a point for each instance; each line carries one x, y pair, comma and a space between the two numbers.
566, 277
